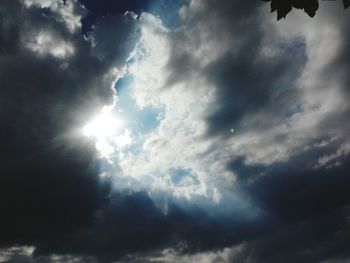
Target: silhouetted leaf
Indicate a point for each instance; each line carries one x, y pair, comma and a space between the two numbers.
346, 3
283, 7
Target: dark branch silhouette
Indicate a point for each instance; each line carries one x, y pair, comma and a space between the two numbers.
283, 7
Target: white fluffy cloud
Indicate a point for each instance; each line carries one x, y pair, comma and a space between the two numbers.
177, 142
171, 74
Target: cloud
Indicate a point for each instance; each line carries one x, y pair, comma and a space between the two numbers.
187, 189
231, 65
52, 82
265, 80
66, 12
107, 7
23, 254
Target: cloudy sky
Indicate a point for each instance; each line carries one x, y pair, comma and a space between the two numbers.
173, 131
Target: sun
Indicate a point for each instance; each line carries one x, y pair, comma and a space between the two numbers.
102, 126
107, 130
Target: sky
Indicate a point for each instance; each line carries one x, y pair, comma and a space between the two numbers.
174, 131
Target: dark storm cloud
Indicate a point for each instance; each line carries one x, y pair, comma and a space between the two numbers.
249, 84
133, 225
166, 9
294, 194
317, 240
107, 7
306, 219
310, 208
51, 82
106, 50
298, 228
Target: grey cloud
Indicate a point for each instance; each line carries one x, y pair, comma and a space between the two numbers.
121, 29
246, 79
256, 90
52, 199
49, 183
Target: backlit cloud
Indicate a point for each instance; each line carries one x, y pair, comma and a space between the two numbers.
209, 132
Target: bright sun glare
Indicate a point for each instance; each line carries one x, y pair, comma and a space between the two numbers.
102, 126
107, 131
